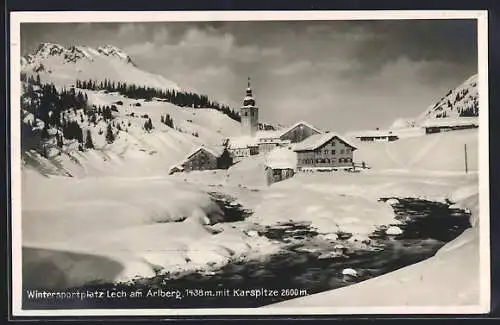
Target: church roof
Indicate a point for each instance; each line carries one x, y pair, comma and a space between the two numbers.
317, 140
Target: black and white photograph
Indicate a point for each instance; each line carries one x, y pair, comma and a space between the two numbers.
168, 163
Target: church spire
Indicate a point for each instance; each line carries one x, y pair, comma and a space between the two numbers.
249, 113
249, 100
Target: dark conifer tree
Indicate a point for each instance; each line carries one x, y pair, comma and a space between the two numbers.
110, 137
89, 143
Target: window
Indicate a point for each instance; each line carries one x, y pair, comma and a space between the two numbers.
246, 113
333, 143
317, 161
333, 152
347, 150
341, 151
327, 160
326, 152
341, 160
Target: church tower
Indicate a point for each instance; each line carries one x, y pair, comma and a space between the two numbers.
249, 113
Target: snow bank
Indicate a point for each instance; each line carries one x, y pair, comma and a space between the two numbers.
116, 229
249, 172
282, 158
347, 202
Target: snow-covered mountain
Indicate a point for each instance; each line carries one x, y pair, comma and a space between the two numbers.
135, 149
462, 101
61, 65
459, 103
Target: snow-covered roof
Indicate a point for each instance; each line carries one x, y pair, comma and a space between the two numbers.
451, 121
281, 158
268, 134
242, 142
372, 133
212, 150
297, 124
315, 141
246, 141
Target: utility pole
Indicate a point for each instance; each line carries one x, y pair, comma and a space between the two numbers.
465, 151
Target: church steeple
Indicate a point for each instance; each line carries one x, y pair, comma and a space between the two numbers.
249, 112
249, 100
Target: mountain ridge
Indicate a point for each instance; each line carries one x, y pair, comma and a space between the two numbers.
61, 65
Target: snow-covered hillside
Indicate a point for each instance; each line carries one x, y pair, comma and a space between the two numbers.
62, 66
460, 102
134, 151
134, 148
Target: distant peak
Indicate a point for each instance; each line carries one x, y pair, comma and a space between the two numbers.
73, 53
46, 49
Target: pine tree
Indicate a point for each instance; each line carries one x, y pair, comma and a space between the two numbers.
89, 143
110, 137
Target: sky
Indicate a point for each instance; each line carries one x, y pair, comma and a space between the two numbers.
337, 75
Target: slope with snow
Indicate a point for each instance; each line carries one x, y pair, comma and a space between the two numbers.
434, 152
458, 104
136, 151
57, 64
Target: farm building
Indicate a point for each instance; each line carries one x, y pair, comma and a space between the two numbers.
281, 164
325, 150
203, 158
376, 136
450, 124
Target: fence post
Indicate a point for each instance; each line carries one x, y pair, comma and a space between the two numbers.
465, 155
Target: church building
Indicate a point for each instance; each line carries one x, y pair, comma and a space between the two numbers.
249, 113
254, 141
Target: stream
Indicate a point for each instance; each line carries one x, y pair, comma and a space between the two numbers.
306, 264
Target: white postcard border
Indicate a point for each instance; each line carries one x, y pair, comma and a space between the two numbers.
144, 16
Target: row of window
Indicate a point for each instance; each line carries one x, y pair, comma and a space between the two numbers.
324, 161
341, 151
